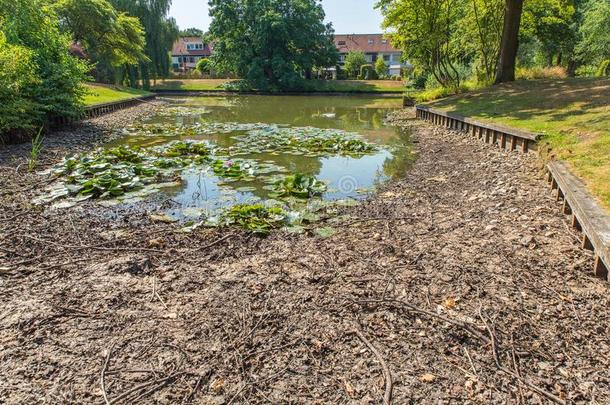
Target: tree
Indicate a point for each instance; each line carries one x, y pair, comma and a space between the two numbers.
594, 45
192, 32
550, 22
381, 68
479, 35
353, 61
272, 44
510, 41
426, 32
110, 37
161, 33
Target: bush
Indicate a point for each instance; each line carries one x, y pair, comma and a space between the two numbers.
380, 68
18, 112
367, 72
604, 68
396, 78
52, 85
204, 66
554, 72
341, 73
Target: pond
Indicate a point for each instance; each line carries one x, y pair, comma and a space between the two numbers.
213, 153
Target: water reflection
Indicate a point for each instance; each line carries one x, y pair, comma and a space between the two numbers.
347, 177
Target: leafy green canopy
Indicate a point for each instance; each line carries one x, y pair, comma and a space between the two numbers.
160, 34
108, 36
595, 32
272, 44
39, 78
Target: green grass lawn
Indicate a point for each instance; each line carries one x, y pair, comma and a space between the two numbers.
324, 86
98, 94
572, 114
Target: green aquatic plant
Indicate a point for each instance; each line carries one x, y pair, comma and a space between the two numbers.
298, 185
304, 140
255, 218
232, 169
115, 171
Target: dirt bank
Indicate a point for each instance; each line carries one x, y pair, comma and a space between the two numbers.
462, 281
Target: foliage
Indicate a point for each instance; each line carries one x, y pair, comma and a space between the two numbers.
352, 63
255, 218
232, 169
604, 68
298, 185
595, 32
113, 172
270, 43
107, 36
549, 22
426, 32
380, 68
367, 72
160, 34
203, 66
479, 35
47, 82
192, 32
305, 140
18, 110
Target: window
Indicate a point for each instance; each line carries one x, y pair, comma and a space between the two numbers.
341, 43
386, 58
384, 41
192, 59
371, 42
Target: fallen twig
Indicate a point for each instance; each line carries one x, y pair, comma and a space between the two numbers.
387, 375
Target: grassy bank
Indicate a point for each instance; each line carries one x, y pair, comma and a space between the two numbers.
322, 86
573, 115
99, 94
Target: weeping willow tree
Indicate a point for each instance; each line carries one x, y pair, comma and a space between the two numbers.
161, 33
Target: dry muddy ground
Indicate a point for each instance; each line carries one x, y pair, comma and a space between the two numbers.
461, 283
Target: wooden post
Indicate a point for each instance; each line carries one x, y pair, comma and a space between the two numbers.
567, 210
576, 224
586, 243
600, 269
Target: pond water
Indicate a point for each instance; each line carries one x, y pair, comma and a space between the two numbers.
341, 141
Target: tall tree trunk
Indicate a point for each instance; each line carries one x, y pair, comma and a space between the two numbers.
510, 41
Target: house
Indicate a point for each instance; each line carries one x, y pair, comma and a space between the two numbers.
374, 46
187, 51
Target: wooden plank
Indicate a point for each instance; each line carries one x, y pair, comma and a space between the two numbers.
590, 216
497, 127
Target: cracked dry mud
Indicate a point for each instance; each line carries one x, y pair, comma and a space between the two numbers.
464, 277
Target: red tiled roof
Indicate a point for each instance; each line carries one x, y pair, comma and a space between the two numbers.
179, 48
367, 43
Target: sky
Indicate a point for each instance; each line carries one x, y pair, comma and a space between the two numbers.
347, 16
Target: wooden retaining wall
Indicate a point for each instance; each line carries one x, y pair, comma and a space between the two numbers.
504, 137
588, 217
101, 109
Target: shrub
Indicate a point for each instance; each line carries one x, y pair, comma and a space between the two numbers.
54, 78
367, 72
380, 68
203, 66
604, 68
353, 61
18, 112
554, 72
